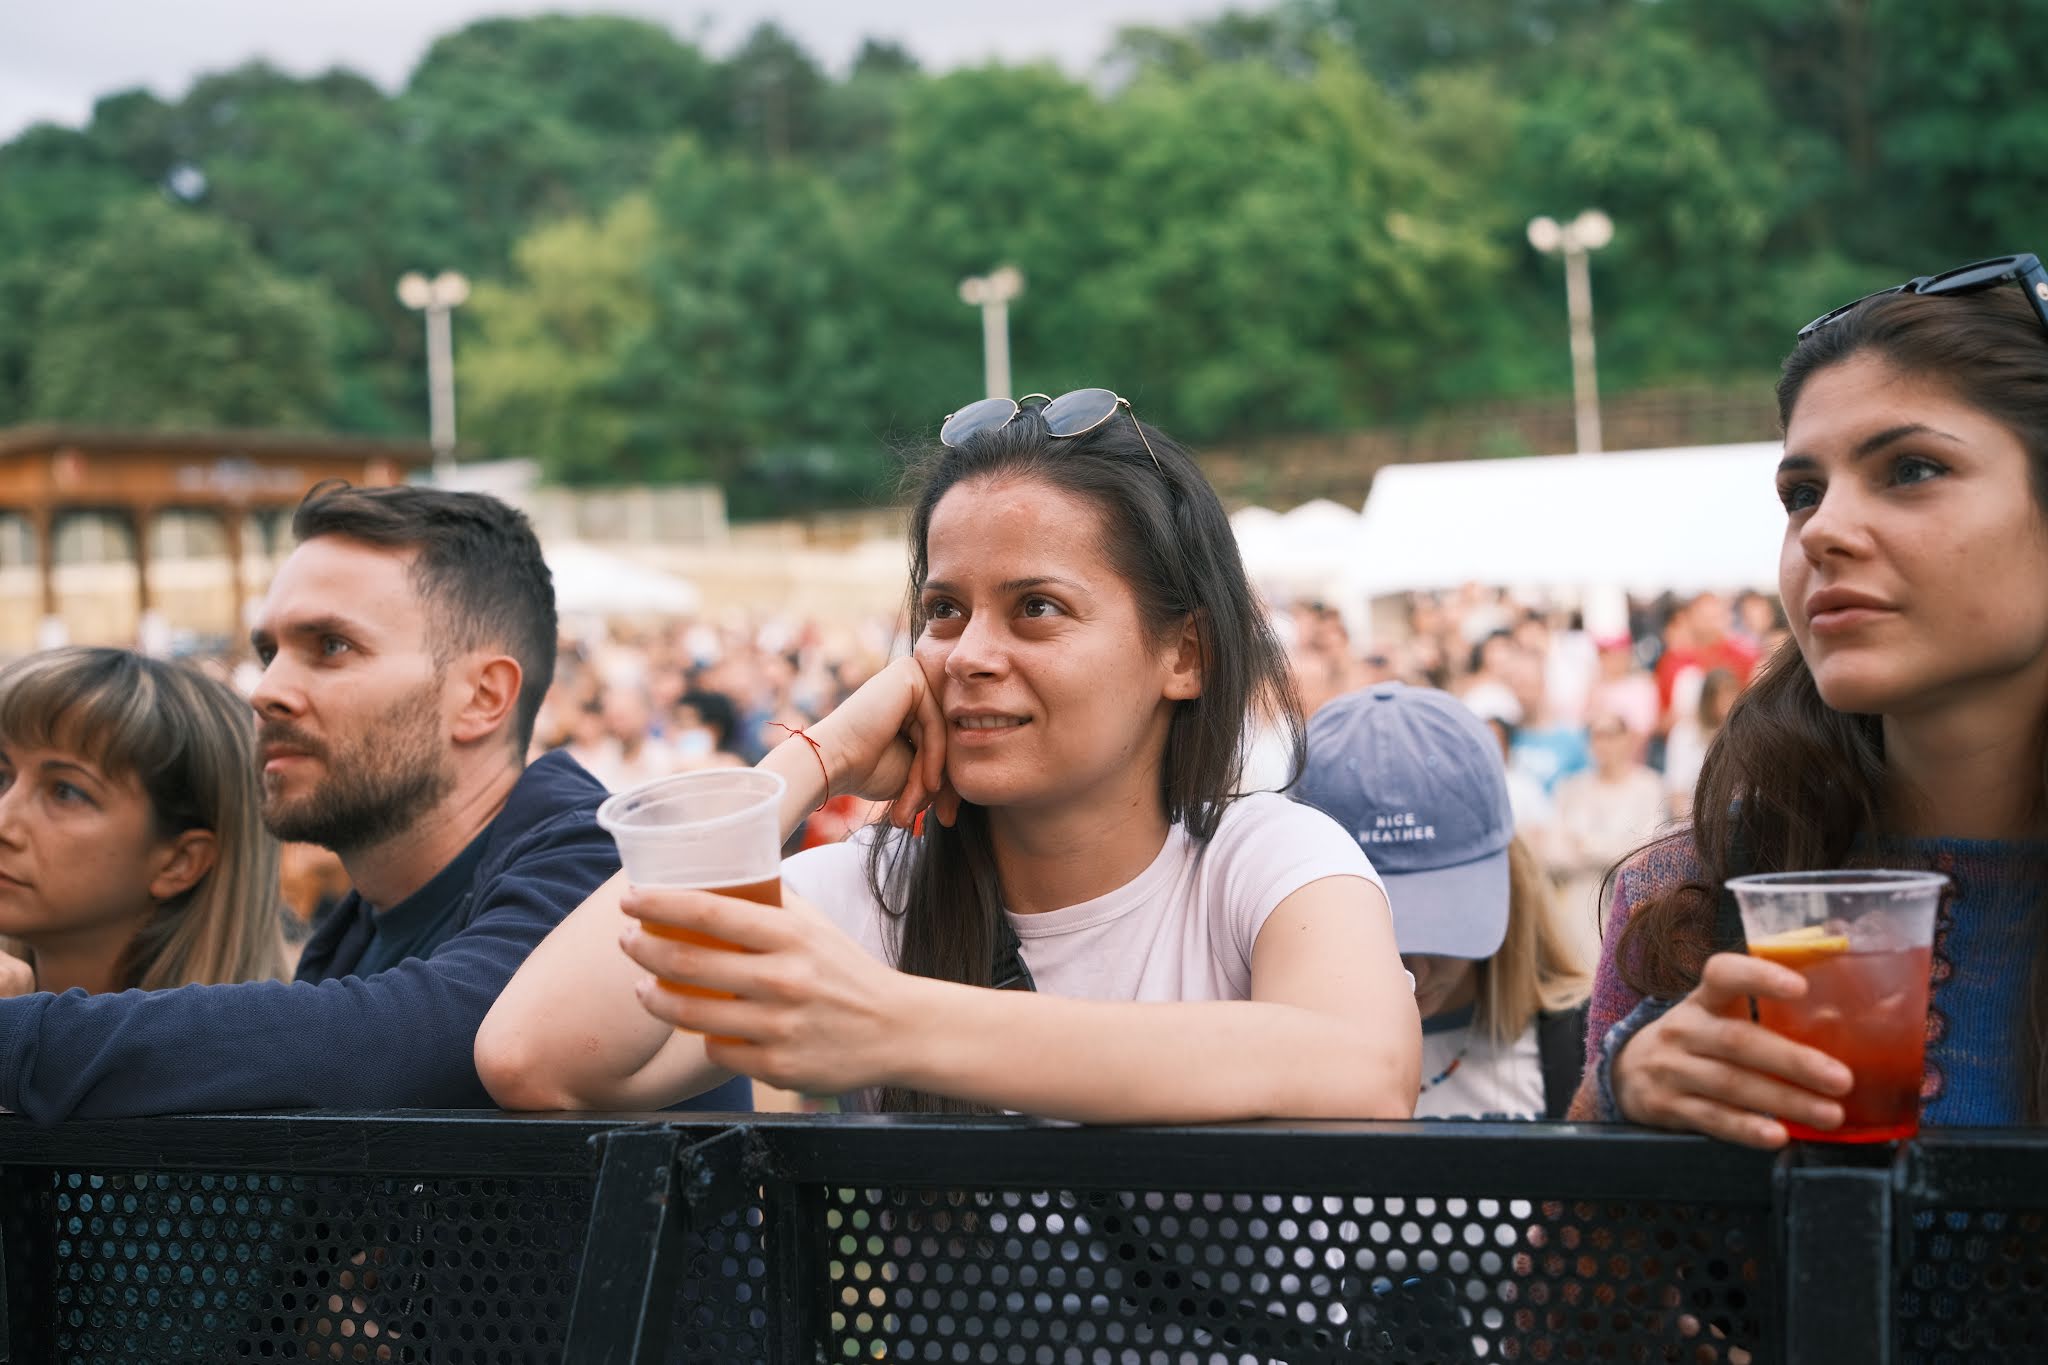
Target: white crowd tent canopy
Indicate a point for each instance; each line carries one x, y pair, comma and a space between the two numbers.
1648, 521
594, 582
1298, 554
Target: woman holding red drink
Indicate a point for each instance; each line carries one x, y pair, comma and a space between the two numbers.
1061, 753
1904, 725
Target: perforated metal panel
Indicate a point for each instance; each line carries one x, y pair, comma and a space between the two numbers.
1975, 1288
1049, 1277
192, 1266
116, 1267
723, 1304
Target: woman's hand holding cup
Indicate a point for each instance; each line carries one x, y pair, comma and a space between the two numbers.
1707, 1067
800, 1006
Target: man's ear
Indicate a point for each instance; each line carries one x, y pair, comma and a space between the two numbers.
186, 859
1184, 662
490, 694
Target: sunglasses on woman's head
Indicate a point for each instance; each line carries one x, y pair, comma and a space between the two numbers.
1974, 278
1075, 413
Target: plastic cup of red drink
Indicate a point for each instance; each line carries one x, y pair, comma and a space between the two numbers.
1863, 939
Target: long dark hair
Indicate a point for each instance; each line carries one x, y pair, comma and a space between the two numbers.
1790, 781
1165, 532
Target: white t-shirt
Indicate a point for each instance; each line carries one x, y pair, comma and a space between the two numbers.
1486, 1082
1182, 929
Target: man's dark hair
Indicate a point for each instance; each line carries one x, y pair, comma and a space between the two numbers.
478, 568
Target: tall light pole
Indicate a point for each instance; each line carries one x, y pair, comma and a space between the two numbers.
437, 298
992, 294
1584, 234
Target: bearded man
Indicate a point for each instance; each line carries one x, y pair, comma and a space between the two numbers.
406, 645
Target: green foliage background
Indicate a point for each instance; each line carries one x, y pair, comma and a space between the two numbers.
1301, 219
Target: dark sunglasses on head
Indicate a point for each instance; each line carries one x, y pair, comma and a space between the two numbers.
1964, 279
1075, 413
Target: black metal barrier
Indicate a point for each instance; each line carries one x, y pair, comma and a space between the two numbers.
462, 1238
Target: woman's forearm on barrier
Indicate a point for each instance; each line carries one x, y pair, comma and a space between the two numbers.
568, 1031
1113, 1062
1331, 1032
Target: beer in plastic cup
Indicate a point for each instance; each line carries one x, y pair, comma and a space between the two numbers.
1863, 939
718, 830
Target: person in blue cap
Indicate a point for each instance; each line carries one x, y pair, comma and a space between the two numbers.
1418, 781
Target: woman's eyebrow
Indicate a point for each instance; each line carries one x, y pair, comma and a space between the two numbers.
1871, 444
1012, 584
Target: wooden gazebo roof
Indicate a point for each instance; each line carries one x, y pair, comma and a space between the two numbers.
50, 470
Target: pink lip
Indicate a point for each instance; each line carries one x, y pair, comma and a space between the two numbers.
7, 880
1844, 619
1832, 610
1825, 600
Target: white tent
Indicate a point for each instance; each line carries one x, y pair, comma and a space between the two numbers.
594, 582
1647, 520
1302, 553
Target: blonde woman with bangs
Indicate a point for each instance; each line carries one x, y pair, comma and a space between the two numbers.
132, 852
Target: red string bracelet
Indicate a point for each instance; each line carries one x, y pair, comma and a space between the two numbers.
816, 752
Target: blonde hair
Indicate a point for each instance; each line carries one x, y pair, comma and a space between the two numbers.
1536, 968
191, 743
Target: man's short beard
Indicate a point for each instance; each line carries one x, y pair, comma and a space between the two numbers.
376, 787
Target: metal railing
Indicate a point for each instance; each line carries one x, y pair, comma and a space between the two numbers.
472, 1238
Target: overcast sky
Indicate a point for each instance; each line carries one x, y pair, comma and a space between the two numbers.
58, 56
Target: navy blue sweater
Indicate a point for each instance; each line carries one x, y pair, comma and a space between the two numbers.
399, 1039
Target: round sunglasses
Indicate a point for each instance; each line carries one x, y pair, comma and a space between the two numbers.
1074, 413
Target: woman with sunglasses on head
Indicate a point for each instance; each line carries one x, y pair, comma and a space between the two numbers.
1070, 727
132, 850
1905, 724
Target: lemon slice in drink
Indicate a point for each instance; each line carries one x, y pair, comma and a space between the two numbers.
1797, 948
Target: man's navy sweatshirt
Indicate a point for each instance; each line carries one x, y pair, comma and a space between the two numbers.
402, 1038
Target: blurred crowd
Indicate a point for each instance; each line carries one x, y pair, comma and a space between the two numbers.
1602, 732
635, 704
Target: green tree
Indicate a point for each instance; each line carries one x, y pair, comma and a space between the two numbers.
1401, 41
321, 176
1301, 242
774, 95
526, 120
860, 115
168, 319
538, 365
1239, 249
55, 185
1684, 150
1960, 131
999, 165
762, 360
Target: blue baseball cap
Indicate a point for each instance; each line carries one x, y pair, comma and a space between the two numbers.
1418, 780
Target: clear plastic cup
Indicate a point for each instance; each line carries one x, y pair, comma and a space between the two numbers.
719, 830
1863, 939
